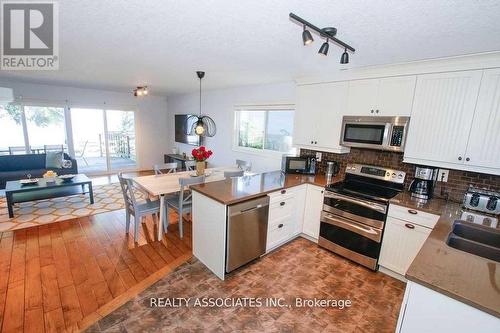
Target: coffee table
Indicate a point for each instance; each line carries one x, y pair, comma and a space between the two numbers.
16, 192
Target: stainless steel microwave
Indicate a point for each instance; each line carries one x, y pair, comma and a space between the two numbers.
383, 133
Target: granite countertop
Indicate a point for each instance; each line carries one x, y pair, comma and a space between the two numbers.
234, 190
463, 276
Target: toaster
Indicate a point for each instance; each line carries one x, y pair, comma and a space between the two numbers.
482, 200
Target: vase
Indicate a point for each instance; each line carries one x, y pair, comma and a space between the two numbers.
200, 168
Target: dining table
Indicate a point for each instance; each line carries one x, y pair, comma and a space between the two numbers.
162, 185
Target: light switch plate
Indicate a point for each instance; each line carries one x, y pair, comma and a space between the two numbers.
443, 175
318, 156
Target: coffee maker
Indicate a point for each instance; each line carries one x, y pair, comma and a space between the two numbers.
422, 186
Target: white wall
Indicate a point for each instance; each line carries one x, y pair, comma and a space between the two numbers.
219, 104
151, 112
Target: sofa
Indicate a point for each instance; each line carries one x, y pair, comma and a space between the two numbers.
15, 167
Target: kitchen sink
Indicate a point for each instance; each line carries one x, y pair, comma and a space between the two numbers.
475, 239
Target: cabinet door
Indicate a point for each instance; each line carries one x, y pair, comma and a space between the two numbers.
328, 125
300, 203
401, 243
442, 116
395, 96
483, 149
312, 211
362, 97
310, 102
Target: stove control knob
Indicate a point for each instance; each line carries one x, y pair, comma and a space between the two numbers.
400, 176
474, 200
492, 203
393, 175
388, 174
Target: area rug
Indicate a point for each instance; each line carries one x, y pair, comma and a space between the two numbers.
27, 214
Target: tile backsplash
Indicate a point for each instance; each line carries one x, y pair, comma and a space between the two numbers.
458, 181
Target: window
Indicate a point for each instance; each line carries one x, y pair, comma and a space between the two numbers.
45, 127
11, 130
265, 129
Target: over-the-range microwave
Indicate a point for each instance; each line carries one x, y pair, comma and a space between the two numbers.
383, 133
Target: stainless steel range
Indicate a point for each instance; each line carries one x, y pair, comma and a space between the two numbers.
354, 212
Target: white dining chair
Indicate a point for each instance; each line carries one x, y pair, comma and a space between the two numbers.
182, 201
165, 168
190, 165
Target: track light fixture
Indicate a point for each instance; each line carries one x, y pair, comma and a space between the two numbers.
328, 33
141, 91
344, 59
307, 38
323, 50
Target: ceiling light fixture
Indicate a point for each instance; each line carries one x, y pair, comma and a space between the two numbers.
323, 50
344, 59
307, 37
141, 91
328, 33
201, 125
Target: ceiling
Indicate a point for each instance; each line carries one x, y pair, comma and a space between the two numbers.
117, 45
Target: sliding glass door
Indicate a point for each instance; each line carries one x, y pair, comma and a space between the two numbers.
103, 140
46, 128
11, 133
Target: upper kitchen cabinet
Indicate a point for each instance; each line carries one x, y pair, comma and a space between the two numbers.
318, 116
444, 115
483, 149
392, 96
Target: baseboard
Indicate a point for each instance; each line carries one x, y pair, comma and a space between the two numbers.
391, 273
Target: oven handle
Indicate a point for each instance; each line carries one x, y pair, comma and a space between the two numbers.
368, 232
370, 205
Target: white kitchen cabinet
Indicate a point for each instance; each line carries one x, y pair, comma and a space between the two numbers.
425, 310
392, 96
312, 211
405, 232
401, 243
318, 116
441, 119
483, 148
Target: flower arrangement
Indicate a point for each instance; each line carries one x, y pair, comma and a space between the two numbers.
201, 154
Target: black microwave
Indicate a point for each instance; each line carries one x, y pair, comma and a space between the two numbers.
299, 165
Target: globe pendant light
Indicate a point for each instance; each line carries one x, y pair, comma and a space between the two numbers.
201, 125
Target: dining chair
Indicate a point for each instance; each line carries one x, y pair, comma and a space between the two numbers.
165, 168
244, 165
182, 201
17, 149
56, 148
233, 174
134, 208
82, 154
190, 165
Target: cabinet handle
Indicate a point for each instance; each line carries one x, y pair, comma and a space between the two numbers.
315, 142
409, 226
412, 211
372, 111
282, 203
280, 225
312, 142
376, 111
459, 158
283, 191
322, 192
467, 159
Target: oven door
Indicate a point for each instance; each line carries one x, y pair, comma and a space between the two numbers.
359, 210
367, 133
350, 239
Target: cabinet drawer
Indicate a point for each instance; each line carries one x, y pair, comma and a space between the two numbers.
279, 232
413, 215
280, 209
281, 195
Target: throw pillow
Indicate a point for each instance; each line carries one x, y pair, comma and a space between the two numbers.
53, 160
67, 164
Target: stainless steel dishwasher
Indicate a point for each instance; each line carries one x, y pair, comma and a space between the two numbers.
246, 232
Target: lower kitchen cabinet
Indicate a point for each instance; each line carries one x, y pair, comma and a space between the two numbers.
312, 211
425, 310
405, 232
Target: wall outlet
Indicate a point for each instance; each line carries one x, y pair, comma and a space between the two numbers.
318, 156
442, 175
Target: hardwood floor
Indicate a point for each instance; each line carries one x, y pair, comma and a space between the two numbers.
66, 275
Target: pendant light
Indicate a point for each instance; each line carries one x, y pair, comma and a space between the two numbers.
201, 125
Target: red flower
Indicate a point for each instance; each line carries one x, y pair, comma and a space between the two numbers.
201, 154
202, 148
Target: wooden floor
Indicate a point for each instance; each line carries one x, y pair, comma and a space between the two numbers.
59, 277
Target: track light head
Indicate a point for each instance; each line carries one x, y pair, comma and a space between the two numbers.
307, 37
323, 50
344, 59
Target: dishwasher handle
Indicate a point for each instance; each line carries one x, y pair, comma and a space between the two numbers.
248, 206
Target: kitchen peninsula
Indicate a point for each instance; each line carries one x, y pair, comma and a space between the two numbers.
295, 203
